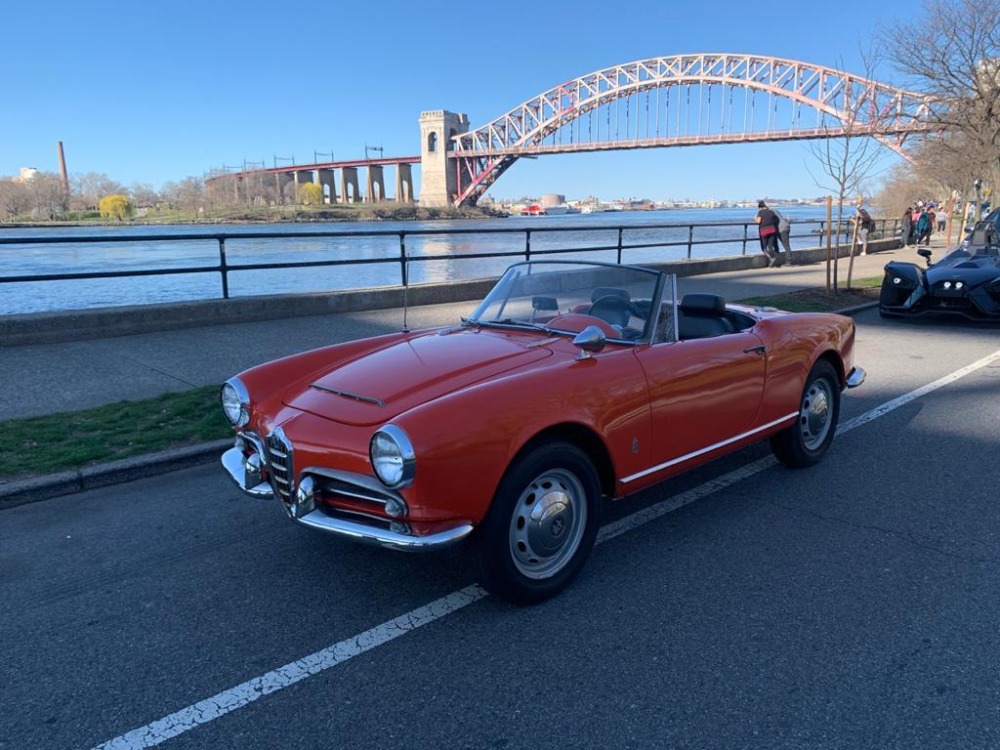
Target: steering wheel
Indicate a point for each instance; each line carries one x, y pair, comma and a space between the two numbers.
614, 309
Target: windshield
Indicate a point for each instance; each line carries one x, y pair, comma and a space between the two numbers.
565, 297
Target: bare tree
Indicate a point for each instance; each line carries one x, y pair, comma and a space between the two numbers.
848, 155
86, 190
188, 194
951, 51
14, 199
143, 195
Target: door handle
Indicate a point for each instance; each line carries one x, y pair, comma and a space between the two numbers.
760, 349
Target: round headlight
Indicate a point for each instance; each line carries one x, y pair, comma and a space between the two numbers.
392, 457
236, 402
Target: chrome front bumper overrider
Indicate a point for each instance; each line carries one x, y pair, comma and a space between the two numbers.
856, 377
245, 472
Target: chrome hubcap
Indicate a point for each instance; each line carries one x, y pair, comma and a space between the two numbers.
815, 414
548, 524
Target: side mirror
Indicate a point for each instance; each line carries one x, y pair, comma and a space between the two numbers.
590, 339
925, 254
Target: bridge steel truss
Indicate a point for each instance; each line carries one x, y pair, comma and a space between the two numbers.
687, 100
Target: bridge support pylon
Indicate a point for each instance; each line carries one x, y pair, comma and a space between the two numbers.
375, 187
349, 190
438, 178
404, 183
326, 180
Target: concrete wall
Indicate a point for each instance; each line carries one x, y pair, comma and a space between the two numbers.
44, 328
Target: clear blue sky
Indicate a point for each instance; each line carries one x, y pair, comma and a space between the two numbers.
154, 92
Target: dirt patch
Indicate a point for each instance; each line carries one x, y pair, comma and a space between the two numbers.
818, 300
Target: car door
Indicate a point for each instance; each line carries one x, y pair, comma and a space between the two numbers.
703, 393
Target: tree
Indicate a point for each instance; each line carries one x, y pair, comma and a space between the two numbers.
143, 195
311, 194
848, 154
951, 51
115, 206
188, 194
86, 190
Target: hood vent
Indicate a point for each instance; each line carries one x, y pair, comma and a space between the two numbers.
348, 394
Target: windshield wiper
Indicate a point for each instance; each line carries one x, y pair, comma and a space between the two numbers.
524, 324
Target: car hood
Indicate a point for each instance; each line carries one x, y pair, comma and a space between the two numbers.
386, 382
973, 270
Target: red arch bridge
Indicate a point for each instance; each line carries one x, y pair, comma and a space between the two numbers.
681, 100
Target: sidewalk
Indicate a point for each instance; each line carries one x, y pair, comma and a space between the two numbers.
52, 378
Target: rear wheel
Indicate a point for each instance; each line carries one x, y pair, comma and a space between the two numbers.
542, 524
805, 442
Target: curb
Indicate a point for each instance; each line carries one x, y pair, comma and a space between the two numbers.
32, 490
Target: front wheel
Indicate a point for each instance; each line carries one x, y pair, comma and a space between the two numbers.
541, 525
806, 441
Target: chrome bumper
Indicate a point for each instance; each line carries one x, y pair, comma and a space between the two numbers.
248, 479
856, 377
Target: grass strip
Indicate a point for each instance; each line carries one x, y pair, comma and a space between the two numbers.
73, 440
60, 442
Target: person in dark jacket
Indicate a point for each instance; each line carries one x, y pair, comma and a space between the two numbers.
907, 229
767, 227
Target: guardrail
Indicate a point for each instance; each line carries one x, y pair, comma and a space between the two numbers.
744, 233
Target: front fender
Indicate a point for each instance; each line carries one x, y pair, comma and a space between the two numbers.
903, 286
465, 441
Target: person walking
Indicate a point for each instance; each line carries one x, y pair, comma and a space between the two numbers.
907, 227
767, 228
924, 227
942, 219
784, 232
865, 224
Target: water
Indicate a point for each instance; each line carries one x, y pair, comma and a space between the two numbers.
433, 257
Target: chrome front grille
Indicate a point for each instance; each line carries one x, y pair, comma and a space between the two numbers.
279, 461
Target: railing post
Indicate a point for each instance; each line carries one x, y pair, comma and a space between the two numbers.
527, 244
746, 236
222, 268
619, 245
402, 258
690, 239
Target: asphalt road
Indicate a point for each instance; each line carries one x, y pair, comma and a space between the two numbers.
851, 605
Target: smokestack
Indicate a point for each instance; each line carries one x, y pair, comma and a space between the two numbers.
63, 178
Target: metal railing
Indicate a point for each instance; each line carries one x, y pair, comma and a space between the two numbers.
744, 233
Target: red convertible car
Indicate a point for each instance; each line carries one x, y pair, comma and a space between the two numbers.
571, 384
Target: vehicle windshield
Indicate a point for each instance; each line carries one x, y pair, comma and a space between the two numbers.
565, 297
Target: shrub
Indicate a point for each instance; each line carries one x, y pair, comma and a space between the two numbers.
115, 207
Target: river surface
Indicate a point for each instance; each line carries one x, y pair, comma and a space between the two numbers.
433, 255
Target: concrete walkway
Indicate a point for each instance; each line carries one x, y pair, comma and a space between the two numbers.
52, 378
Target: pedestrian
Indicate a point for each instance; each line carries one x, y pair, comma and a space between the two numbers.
942, 221
924, 227
767, 228
865, 224
917, 213
907, 227
784, 233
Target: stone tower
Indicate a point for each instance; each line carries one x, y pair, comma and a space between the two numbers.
438, 183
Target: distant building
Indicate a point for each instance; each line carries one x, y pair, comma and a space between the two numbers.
27, 173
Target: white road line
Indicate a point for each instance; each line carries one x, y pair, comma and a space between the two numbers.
237, 697
241, 695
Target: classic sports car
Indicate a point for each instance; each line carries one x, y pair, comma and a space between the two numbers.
570, 384
965, 282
